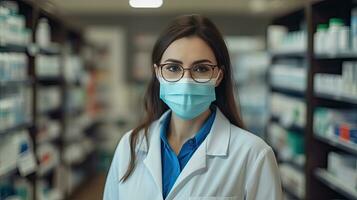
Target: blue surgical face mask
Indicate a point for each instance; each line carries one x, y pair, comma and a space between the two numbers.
187, 98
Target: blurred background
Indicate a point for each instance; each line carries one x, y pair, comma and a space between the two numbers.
73, 75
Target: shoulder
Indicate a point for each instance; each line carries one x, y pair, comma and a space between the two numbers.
247, 143
123, 146
122, 151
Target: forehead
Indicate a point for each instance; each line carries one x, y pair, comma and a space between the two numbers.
188, 50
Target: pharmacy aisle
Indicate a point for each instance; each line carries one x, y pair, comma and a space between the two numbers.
313, 99
48, 111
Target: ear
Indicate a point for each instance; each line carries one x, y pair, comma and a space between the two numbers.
157, 71
220, 77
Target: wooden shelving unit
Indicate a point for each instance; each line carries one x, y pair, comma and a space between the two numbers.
320, 184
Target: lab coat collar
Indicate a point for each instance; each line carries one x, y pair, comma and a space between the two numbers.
216, 144
154, 127
217, 140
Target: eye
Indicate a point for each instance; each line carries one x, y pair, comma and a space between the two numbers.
201, 68
172, 68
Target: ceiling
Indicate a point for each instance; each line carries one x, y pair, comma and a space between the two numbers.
121, 7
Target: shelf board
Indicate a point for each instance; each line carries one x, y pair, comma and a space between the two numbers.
335, 184
54, 113
293, 127
288, 54
341, 99
336, 142
80, 162
294, 165
50, 80
73, 83
49, 51
338, 56
15, 128
16, 82
290, 193
287, 91
74, 112
48, 171
9, 173
13, 48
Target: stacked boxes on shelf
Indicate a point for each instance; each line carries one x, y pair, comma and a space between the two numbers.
336, 124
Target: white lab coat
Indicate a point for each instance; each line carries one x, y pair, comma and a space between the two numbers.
231, 163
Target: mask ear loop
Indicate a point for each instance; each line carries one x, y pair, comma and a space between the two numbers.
157, 73
214, 80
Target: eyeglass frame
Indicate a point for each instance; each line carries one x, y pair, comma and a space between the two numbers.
189, 68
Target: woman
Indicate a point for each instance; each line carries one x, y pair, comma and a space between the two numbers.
192, 144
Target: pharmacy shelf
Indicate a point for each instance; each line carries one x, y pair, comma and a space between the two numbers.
74, 112
288, 54
81, 161
294, 165
73, 84
49, 51
339, 56
317, 147
50, 81
293, 127
63, 33
9, 173
338, 143
52, 140
290, 193
9, 48
288, 91
48, 171
339, 99
335, 184
54, 113
27, 82
16, 128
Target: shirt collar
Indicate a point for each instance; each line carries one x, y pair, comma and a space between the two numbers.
217, 140
163, 130
199, 136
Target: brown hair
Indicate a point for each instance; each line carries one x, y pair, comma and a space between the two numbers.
186, 26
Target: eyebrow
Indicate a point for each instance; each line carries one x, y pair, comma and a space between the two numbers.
195, 62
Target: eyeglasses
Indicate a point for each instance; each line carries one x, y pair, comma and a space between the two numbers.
173, 72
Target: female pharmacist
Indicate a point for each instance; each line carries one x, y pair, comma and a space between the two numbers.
192, 144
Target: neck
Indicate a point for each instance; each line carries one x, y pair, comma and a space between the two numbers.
181, 130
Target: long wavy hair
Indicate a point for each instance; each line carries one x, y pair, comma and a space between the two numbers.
180, 27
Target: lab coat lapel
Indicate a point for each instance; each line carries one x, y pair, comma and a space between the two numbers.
153, 158
194, 165
216, 144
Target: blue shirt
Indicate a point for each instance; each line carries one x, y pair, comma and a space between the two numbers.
172, 165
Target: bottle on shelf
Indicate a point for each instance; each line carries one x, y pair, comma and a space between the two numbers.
354, 29
333, 35
43, 33
320, 38
12, 25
